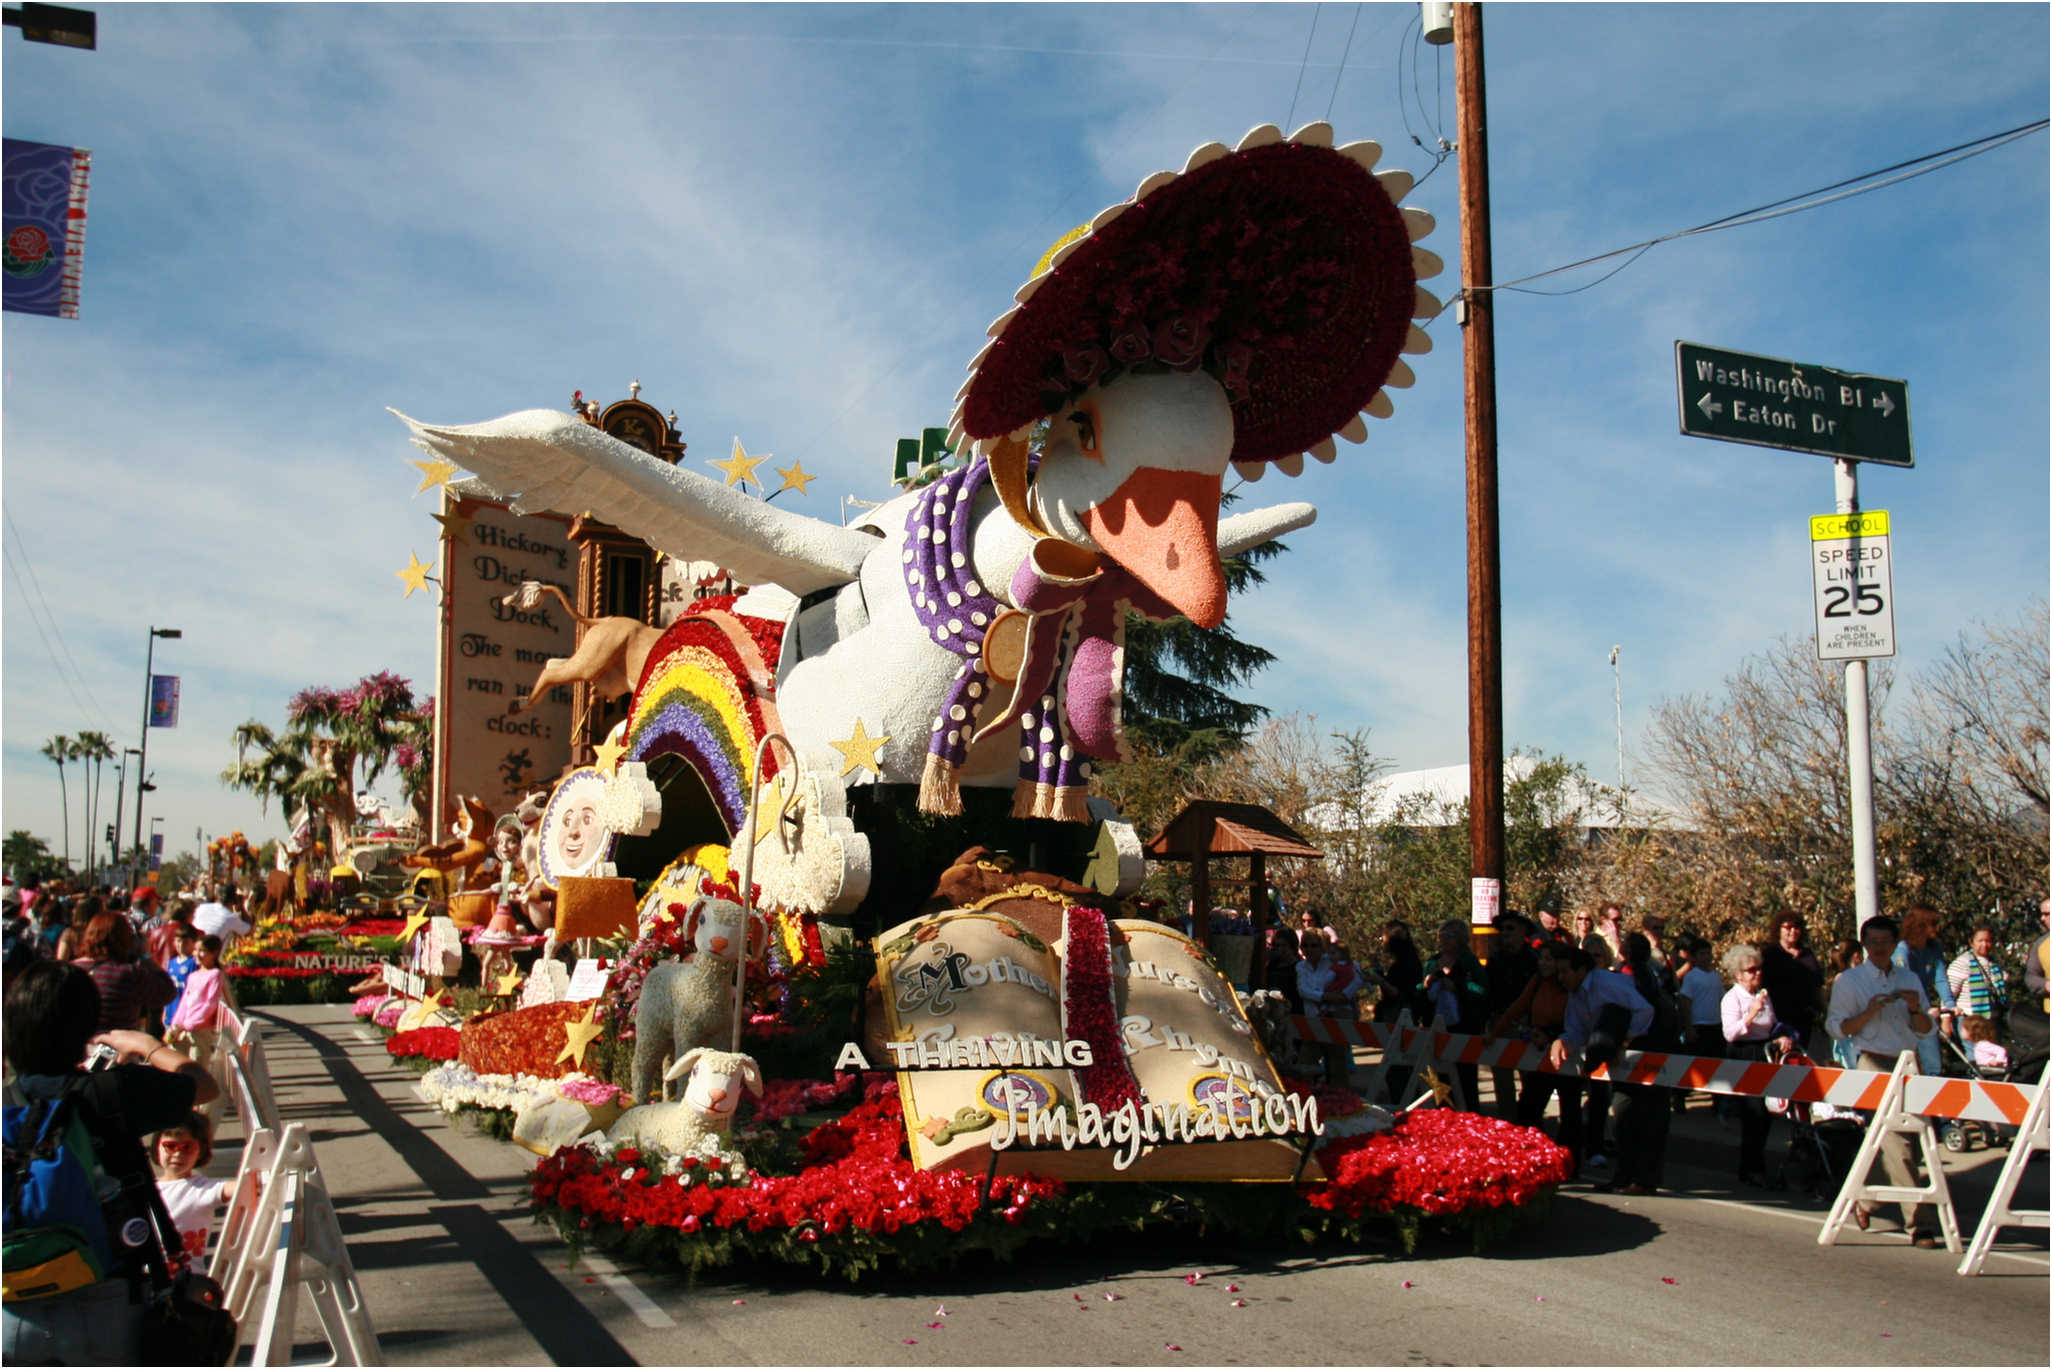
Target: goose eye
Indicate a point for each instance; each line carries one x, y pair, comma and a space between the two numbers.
1086, 431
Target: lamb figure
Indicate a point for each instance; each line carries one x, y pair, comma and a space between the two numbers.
712, 1095
689, 1003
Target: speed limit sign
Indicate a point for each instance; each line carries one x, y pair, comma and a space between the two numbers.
1854, 594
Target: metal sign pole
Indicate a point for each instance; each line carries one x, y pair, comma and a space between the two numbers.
1858, 740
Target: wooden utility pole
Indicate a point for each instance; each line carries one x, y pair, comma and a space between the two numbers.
1485, 603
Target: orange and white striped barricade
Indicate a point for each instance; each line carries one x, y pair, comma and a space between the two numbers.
1893, 1117
293, 1244
2034, 1135
1933, 1097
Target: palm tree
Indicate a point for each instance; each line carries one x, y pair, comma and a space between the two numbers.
59, 750
93, 748
327, 732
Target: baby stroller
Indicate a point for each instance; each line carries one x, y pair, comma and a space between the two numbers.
1960, 1134
1822, 1139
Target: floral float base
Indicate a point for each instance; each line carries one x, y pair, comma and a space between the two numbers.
857, 1204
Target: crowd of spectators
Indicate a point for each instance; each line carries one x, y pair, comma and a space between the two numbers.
1590, 987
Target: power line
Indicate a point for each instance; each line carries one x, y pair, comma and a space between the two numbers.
1792, 204
1344, 53
1291, 117
56, 665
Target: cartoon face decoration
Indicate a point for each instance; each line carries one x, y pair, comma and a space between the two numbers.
574, 840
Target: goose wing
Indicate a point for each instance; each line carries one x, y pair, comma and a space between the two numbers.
542, 459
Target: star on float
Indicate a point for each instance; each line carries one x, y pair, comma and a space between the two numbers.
434, 472
795, 478
455, 525
860, 750
415, 575
1441, 1095
509, 981
578, 1036
609, 753
740, 467
414, 922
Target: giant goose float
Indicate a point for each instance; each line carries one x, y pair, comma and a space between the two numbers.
1239, 314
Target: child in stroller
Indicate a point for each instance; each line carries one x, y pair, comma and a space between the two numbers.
1822, 1139
1978, 1056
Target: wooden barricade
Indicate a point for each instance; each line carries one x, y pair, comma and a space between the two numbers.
1892, 1117
2035, 1135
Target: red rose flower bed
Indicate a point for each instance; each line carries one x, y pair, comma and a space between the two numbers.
857, 1202
523, 1041
425, 1043
1437, 1162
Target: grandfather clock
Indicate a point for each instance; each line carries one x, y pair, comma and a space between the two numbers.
616, 572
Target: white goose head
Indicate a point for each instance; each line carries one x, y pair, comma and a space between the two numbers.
1133, 469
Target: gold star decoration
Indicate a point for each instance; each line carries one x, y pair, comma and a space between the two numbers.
609, 753
434, 472
795, 478
766, 805
510, 980
415, 575
860, 750
740, 467
1441, 1095
455, 525
414, 922
578, 1036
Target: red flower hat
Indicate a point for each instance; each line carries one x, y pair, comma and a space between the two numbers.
1283, 268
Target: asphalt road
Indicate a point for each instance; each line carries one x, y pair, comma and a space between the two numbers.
455, 1271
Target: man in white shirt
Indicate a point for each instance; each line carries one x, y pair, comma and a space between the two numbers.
1879, 1007
223, 919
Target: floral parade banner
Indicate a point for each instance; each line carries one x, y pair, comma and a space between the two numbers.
42, 226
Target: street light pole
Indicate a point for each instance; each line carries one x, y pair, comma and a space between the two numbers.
142, 772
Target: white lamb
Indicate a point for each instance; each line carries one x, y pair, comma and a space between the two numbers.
689, 1003
712, 1094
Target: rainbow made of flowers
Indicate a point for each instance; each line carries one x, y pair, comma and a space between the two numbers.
705, 695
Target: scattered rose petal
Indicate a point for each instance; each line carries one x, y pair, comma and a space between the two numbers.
1540, 1298
1887, 1333
907, 1340
1077, 1296
1115, 1297
590, 1279
1665, 1279
1170, 1345
740, 1302
935, 1325
1193, 1279
1239, 1302
1407, 1283
1232, 1288
941, 1311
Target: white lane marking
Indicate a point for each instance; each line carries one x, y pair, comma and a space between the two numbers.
1819, 1222
638, 1302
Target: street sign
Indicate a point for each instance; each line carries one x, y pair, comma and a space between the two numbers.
1852, 585
1768, 402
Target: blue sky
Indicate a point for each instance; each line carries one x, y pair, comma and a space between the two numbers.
792, 224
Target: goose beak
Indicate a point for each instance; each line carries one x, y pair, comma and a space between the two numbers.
1162, 526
